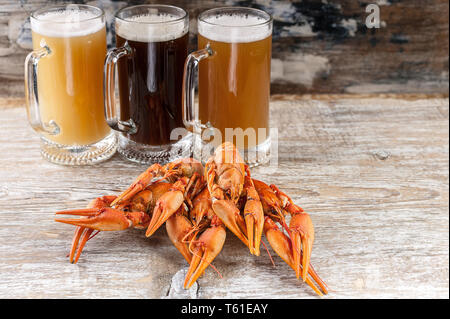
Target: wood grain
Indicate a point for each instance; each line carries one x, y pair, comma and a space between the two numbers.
318, 46
372, 172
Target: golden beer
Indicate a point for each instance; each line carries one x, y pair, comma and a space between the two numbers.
233, 59
70, 82
64, 84
234, 85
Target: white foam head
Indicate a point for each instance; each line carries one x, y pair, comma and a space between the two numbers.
234, 27
67, 22
151, 27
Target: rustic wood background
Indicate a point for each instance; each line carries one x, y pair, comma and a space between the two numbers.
318, 46
372, 172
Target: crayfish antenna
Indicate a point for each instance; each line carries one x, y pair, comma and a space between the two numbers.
318, 280
268, 253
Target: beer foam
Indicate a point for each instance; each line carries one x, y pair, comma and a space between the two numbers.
234, 28
66, 23
151, 27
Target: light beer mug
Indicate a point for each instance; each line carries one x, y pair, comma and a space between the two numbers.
152, 46
234, 82
64, 84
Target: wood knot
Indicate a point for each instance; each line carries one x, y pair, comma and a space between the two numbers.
381, 155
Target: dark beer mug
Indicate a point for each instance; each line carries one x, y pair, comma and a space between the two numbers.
151, 49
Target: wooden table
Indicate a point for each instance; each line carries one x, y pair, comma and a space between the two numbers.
371, 170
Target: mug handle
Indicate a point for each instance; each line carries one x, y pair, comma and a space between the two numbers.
32, 95
190, 111
109, 76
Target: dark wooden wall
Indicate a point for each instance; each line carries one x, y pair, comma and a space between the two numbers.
318, 46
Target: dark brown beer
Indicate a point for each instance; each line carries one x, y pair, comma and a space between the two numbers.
150, 85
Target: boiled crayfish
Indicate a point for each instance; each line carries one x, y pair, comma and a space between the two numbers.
196, 203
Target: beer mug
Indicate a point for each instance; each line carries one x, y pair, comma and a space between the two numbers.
233, 82
64, 84
152, 44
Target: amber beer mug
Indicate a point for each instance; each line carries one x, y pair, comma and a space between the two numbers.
234, 81
64, 84
151, 49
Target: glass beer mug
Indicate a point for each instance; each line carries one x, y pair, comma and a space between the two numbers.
234, 82
152, 46
64, 84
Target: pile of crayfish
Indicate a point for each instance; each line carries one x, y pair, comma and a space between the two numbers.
196, 203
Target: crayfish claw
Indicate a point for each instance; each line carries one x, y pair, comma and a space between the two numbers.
80, 243
206, 248
87, 212
178, 228
103, 219
76, 239
253, 216
227, 211
81, 232
302, 236
283, 246
166, 206
254, 231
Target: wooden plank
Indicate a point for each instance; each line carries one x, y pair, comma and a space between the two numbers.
318, 46
372, 172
